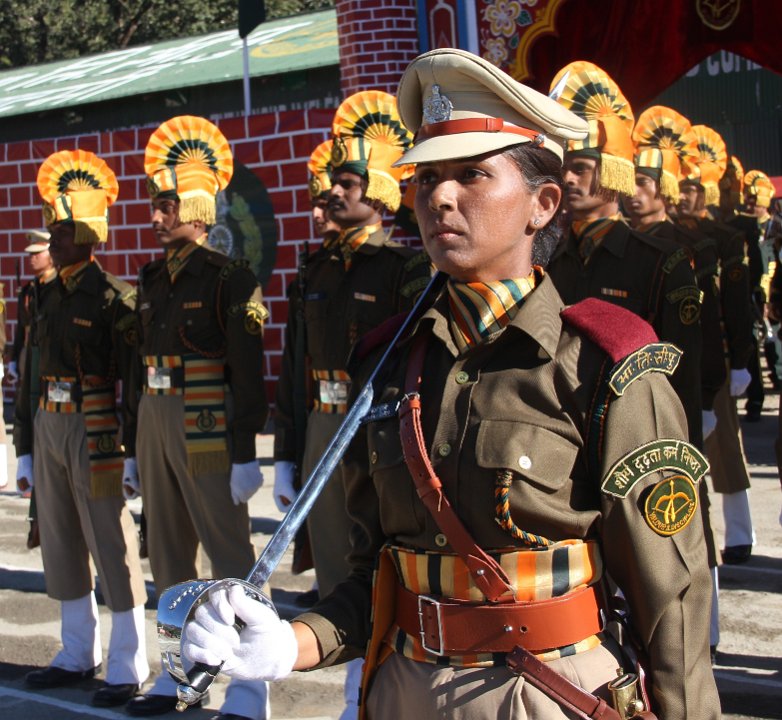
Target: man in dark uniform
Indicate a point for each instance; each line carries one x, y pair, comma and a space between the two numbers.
85, 327
602, 256
203, 399
25, 348
353, 283
724, 447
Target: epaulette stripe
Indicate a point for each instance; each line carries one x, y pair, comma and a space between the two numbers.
414, 287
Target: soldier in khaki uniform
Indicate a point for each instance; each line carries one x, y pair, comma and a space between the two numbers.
602, 257
724, 447
352, 284
557, 460
203, 399
73, 450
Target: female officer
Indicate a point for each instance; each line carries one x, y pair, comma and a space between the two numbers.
523, 461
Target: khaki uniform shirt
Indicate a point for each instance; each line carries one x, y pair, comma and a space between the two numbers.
527, 393
84, 327
653, 278
340, 306
213, 309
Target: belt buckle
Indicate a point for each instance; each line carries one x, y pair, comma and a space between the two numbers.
432, 601
334, 392
158, 378
58, 391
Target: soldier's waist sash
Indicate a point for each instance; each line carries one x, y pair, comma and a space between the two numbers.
332, 390
441, 616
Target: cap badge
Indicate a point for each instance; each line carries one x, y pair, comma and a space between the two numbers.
437, 107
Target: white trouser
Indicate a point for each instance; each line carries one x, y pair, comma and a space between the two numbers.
248, 698
352, 685
80, 635
714, 623
738, 521
127, 648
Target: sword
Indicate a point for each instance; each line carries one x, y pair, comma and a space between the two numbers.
178, 603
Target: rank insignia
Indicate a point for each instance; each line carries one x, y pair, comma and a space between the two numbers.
671, 504
206, 421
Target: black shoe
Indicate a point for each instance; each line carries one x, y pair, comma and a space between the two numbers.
34, 536
736, 554
713, 650
145, 705
52, 676
143, 552
752, 415
306, 599
112, 695
229, 716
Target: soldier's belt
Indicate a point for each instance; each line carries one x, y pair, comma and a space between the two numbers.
68, 395
61, 391
333, 388
164, 378
451, 627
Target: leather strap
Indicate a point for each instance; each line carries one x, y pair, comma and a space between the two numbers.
450, 627
486, 572
558, 688
466, 125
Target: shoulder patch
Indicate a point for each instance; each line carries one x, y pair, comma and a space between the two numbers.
414, 287
689, 299
675, 258
231, 266
614, 329
655, 357
671, 505
419, 258
658, 455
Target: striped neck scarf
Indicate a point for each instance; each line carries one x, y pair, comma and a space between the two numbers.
590, 233
70, 274
481, 309
652, 227
177, 259
350, 240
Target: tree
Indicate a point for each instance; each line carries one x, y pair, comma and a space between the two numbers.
38, 31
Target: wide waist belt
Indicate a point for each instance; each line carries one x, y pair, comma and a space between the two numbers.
61, 391
449, 627
164, 378
332, 390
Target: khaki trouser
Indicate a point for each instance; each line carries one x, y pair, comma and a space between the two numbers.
404, 688
75, 525
724, 447
181, 510
328, 522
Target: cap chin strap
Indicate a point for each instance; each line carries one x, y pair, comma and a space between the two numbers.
467, 125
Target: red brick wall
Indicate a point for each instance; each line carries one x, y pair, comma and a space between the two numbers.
377, 41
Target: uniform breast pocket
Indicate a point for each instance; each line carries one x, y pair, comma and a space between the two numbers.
541, 460
87, 332
400, 510
367, 309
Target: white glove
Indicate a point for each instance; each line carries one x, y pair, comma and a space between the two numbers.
709, 422
266, 648
24, 473
11, 373
739, 381
131, 487
284, 494
246, 478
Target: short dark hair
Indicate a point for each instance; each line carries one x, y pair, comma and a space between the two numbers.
539, 166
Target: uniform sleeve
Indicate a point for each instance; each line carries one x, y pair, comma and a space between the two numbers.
243, 315
124, 340
284, 424
414, 276
735, 298
23, 420
680, 324
22, 321
665, 578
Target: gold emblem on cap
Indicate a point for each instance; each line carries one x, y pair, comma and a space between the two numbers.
437, 107
671, 505
316, 187
339, 152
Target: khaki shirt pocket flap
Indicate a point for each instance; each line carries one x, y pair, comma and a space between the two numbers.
538, 454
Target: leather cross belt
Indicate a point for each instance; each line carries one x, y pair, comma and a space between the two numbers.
451, 627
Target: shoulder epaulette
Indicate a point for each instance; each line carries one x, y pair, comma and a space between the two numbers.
229, 266
627, 339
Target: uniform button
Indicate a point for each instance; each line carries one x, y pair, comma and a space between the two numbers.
525, 463
462, 377
440, 540
170, 295
162, 325
373, 457
444, 450
189, 322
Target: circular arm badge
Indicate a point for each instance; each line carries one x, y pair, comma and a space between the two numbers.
671, 505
